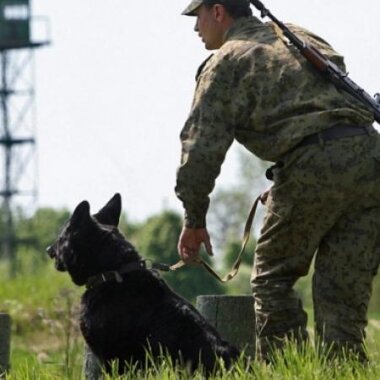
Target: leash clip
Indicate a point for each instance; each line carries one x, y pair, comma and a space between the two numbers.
156, 266
161, 267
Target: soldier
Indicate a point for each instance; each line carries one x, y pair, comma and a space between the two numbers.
325, 199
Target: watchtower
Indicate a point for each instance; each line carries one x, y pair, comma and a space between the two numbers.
20, 34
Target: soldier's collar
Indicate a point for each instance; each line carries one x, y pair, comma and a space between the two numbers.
242, 24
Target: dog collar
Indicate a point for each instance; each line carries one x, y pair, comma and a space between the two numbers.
117, 276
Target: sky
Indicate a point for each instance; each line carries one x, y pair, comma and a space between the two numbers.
114, 88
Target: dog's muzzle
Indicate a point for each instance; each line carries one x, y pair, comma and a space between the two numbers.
53, 255
50, 251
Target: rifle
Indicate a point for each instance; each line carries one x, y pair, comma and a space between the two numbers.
329, 69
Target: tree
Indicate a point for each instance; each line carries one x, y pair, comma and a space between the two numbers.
240, 284
41, 229
232, 250
230, 206
228, 213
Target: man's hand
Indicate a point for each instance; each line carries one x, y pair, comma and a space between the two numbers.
190, 242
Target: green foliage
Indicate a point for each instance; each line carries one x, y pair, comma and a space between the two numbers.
375, 300
289, 365
232, 250
157, 239
228, 213
46, 343
43, 305
39, 231
127, 227
241, 283
230, 206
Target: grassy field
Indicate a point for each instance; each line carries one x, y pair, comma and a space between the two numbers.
46, 342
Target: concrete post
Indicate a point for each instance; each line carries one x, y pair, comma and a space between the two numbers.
5, 339
233, 317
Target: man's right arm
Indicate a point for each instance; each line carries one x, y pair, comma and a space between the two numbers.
208, 133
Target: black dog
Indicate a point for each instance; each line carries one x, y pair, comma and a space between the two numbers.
127, 308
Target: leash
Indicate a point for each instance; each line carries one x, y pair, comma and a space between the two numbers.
146, 264
235, 268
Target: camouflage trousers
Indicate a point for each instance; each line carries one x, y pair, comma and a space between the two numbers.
324, 205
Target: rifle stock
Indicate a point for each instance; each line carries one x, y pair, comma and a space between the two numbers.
324, 65
315, 57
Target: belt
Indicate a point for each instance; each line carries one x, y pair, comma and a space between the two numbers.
333, 133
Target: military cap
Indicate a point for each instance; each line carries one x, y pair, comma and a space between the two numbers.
191, 8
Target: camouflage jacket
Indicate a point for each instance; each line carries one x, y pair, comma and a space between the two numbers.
263, 93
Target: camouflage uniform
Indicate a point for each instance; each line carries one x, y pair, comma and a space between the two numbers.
325, 197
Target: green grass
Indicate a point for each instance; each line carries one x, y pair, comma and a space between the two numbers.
46, 342
289, 365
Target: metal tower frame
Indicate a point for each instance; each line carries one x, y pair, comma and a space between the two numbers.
17, 135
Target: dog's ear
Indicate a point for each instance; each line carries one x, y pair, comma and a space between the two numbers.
81, 214
110, 213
